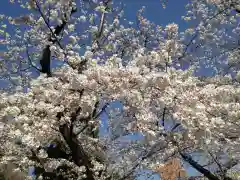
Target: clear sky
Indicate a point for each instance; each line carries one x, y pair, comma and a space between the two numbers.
155, 13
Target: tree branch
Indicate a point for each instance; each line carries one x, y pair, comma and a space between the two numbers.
79, 156
198, 167
45, 61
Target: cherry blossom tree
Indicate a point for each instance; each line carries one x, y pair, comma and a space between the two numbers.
54, 126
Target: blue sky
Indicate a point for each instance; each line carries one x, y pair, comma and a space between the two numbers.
154, 12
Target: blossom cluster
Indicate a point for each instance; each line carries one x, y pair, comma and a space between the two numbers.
139, 67
209, 112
